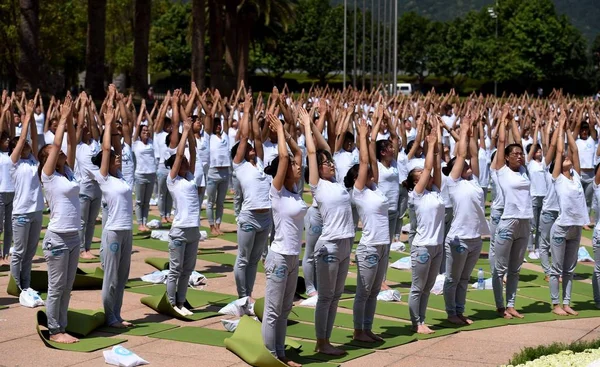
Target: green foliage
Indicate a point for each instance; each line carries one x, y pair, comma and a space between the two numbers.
532, 353
170, 48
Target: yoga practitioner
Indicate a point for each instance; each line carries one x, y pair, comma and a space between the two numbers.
7, 187
163, 127
281, 265
145, 168
537, 176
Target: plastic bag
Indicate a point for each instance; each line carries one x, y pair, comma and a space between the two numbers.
230, 325
119, 356
30, 298
153, 224
162, 235
438, 287
487, 284
389, 295
398, 246
403, 263
239, 307
197, 279
583, 255
203, 236
156, 277
310, 302
406, 228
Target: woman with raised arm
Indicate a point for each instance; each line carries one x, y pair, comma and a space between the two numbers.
7, 187
254, 220
332, 250
162, 129
61, 241
184, 234
145, 168
596, 243
28, 203
537, 176
127, 163
513, 231
90, 195
566, 230
373, 250
117, 237
281, 265
427, 250
463, 243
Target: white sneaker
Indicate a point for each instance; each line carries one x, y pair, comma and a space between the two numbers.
185, 311
525, 260
153, 202
179, 311
12, 250
534, 256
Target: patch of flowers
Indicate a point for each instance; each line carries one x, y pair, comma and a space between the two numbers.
566, 358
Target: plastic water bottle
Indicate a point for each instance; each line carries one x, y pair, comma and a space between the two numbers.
480, 279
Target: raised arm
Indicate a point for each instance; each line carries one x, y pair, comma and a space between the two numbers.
574, 152
474, 151
363, 155
429, 161
50, 165
500, 161
276, 126
244, 129
560, 148
109, 116
180, 154
311, 149
462, 150
16, 153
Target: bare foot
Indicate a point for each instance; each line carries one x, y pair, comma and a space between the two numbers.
169, 220
384, 286
456, 320
557, 310
214, 231
289, 362
329, 350
141, 228
312, 294
586, 227
373, 336
118, 325
361, 336
63, 338
86, 255
467, 320
570, 311
126, 323
164, 221
502, 312
547, 278
514, 313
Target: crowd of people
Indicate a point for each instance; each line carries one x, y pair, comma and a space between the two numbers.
369, 158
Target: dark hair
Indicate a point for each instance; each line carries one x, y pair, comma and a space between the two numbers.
97, 159
534, 146
42, 158
409, 146
493, 155
446, 170
171, 161
595, 169
348, 137
584, 126
166, 122
509, 148
411, 181
4, 135
234, 149
168, 138
351, 176
216, 121
12, 144
272, 168
380, 146
322, 157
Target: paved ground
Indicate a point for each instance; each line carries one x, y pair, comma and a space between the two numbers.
21, 346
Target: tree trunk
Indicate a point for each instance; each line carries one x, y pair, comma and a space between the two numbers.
198, 34
243, 49
95, 52
216, 33
141, 41
231, 45
29, 34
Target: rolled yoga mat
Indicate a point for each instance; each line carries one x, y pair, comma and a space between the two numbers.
139, 328
87, 344
162, 305
39, 281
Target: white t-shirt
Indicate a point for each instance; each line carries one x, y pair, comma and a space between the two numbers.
467, 203
185, 201
160, 146
288, 218
144, 156
84, 168
571, 200
62, 194
415, 163
116, 192
49, 139
515, 187
202, 148
597, 195
484, 160
385, 136
28, 191
444, 193
389, 184
39, 122
232, 133
219, 151
127, 164
255, 185
449, 122
430, 216
550, 200
6, 182
587, 151
333, 201
343, 162
270, 151
372, 209
498, 196
537, 176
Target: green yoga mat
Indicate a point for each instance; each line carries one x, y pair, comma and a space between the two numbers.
139, 329
83, 322
152, 244
250, 348
87, 344
39, 281
162, 263
308, 356
194, 334
196, 298
162, 305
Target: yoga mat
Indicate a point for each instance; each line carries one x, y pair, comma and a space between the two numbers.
88, 344
139, 329
162, 305
391, 309
308, 354
194, 334
399, 276
162, 263
245, 344
196, 298
83, 322
152, 244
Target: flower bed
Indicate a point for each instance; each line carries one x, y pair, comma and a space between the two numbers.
566, 358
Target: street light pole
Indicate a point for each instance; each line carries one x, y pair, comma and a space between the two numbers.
494, 15
395, 71
345, 30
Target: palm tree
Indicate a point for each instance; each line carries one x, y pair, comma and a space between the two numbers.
95, 52
216, 33
198, 34
29, 35
141, 41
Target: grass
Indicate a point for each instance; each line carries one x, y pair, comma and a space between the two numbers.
533, 353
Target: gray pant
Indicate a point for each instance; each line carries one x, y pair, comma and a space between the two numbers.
144, 182
253, 234
512, 236
216, 190
238, 196
6, 208
61, 251
412, 217
534, 238
372, 263
596, 277
564, 247
448, 217
202, 190
183, 250
495, 215
402, 207
547, 219
425, 262
587, 177
393, 223
332, 259
90, 197
165, 202
461, 257
116, 260
282, 276
26, 229
313, 224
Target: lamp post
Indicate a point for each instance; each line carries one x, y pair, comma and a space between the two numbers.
345, 24
494, 15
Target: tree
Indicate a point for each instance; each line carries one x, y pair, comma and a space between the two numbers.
29, 35
198, 35
216, 33
413, 39
141, 43
95, 54
170, 45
